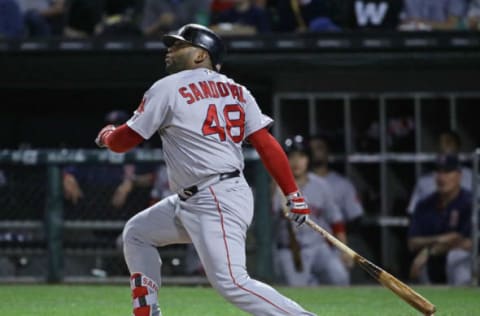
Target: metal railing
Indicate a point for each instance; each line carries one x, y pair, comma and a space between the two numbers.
52, 230
353, 159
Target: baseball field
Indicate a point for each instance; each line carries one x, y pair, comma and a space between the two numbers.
23, 300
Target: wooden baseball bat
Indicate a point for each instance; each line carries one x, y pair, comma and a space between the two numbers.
386, 279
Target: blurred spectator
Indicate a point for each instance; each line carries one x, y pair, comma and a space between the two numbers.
162, 16
439, 232
217, 7
427, 15
448, 143
118, 20
82, 17
11, 20
302, 258
473, 15
303, 15
400, 134
344, 192
244, 18
43, 18
108, 186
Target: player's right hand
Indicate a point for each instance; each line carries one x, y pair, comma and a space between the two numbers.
100, 140
299, 209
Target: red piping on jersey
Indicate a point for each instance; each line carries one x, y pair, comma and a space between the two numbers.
122, 139
338, 227
229, 264
274, 159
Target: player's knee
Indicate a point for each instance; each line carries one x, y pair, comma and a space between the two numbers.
342, 278
339, 275
131, 232
228, 285
458, 267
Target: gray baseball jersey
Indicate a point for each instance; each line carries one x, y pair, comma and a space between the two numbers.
426, 185
160, 188
345, 195
321, 262
202, 117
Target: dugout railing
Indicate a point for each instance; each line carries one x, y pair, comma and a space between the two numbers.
37, 230
48, 232
383, 141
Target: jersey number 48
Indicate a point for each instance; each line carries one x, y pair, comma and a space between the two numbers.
234, 118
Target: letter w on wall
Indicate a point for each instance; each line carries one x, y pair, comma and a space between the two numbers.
370, 12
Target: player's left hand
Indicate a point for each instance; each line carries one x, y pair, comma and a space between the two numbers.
107, 130
299, 209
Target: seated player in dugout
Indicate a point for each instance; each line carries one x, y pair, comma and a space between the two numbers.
344, 193
303, 257
449, 142
439, 233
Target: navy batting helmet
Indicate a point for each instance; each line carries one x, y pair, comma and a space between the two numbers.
200, 36
296, 143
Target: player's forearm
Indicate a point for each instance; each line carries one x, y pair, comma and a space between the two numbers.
274, 159
122, 139
417, 243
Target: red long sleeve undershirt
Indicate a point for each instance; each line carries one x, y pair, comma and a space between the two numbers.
122, 139
338, 227
274, 159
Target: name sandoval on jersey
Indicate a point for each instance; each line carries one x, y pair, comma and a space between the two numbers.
210, 89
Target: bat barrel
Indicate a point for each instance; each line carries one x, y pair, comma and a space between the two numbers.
386, 279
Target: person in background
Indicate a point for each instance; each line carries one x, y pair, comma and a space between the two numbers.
345, 194
302, 258
118, 20
449, 142
217, 7
243, 18
303, 16
473, 15
439, 233
108, 186
161, 17
43, 18
82, 17
11, 20
429, 15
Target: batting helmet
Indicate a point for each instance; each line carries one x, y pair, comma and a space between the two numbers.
200, 36
296, 143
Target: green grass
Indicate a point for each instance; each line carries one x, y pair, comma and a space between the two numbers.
20, 300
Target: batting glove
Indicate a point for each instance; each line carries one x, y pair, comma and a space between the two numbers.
299, 209
102, 135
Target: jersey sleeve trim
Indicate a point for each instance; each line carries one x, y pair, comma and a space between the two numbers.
138, 130
267, 123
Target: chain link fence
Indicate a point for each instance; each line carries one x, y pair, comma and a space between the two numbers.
63, 211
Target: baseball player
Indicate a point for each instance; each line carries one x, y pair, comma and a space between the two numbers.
202, 117
449, 142
343, 190
321, 264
